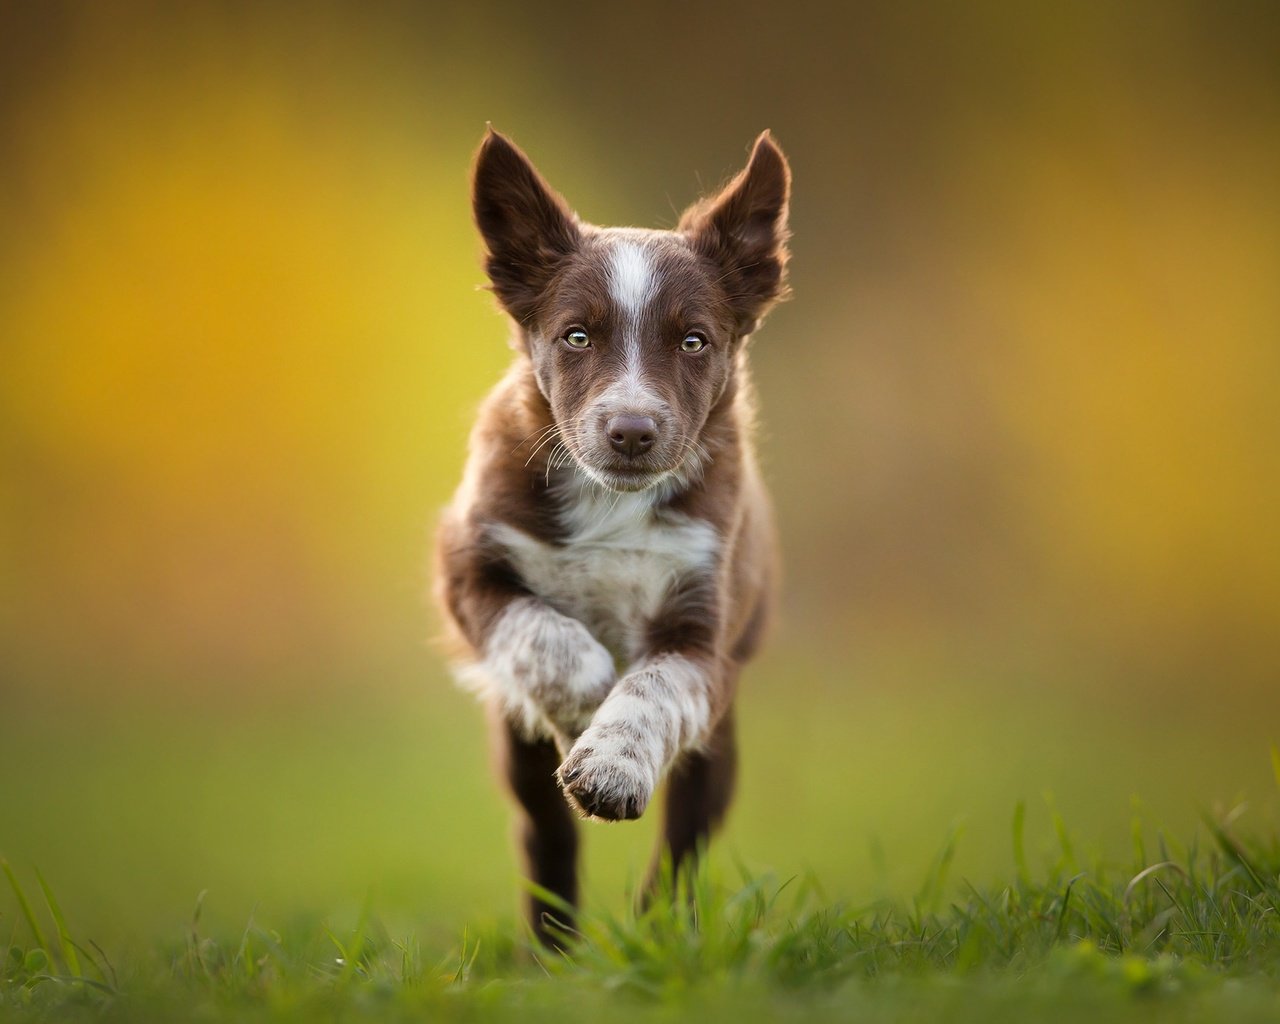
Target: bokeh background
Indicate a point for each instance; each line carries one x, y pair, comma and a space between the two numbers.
1020, 422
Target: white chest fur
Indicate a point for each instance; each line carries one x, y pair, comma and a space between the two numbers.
619, 561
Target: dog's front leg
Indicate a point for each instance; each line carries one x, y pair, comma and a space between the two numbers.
547, 665
662, 706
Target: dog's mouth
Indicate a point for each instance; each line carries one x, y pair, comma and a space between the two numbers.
630, 478
648, 471
627, 479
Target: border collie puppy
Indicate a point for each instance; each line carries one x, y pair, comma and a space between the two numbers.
606, 563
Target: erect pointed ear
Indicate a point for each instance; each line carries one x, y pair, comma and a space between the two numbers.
743, 230
528, 230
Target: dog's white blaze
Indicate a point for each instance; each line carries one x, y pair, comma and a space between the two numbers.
632, 284
630, 277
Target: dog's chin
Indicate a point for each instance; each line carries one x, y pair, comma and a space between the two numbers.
626, 480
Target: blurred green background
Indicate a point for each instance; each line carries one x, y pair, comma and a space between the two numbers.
1020, 422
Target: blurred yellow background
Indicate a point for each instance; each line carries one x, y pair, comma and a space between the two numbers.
1020, 419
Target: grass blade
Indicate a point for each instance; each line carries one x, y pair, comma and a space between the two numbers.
354, 950
1237, 853
98, 961
934, 887
1146, 873
1066, 900
100, 986
1069, 862
23, 905
69, 954
1019, 842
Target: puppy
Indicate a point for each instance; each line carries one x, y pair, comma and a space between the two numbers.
606, 563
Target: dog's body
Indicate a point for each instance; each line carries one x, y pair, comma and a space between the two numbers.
607, 560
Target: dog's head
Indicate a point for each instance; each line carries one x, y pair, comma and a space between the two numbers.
634, 335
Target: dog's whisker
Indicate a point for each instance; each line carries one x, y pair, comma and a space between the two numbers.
560, 457
551, 460
541, 444
541, 431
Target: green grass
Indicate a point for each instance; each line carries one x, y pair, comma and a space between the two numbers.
1180, 933
919, 873
274, 799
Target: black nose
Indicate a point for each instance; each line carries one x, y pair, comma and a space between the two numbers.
632, 435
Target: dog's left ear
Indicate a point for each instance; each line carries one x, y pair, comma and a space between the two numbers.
743, 230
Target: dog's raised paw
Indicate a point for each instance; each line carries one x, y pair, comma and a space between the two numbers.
548, 665
608, 786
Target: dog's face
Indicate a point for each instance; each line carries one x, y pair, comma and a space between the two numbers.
634, 335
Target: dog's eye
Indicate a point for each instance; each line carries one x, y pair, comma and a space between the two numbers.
693, 342
576, 337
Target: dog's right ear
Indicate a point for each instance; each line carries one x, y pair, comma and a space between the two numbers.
528, 230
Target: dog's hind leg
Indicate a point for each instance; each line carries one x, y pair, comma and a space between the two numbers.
699, 790
546, 829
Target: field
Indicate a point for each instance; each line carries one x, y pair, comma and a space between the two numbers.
1009, 752
328, 857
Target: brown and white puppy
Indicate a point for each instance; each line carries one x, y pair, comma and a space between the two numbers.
608, 557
